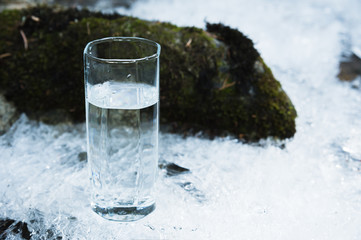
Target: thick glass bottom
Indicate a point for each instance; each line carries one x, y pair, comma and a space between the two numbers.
124, 214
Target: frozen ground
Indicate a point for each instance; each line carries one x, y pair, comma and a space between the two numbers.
311, 189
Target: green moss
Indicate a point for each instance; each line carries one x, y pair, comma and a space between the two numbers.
275, 110
206, 83
253, 99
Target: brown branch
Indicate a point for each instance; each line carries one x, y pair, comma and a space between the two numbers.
225, 84
188, 44
24, 39
88, 28
35, 18
4, 55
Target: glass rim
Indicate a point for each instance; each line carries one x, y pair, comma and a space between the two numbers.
121, 39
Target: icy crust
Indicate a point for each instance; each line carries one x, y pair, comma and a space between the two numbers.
230, 190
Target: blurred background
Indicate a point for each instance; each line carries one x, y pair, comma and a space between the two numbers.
91, 4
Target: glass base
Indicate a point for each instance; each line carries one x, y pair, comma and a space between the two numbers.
124, 214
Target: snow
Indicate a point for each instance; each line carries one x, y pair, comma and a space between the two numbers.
310, 189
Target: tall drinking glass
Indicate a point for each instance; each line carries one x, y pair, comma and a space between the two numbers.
122, 92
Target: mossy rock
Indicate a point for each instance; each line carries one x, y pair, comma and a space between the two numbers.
213, 80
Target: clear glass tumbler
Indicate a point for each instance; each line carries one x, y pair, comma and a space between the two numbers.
122, 93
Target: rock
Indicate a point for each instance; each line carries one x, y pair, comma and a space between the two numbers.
11, 229
212, 81
8, 114
350, 68
172, 169
82, 156
52, 116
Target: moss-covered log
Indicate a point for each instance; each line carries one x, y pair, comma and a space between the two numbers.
210, 80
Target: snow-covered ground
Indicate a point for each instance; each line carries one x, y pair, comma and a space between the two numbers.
311, 189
